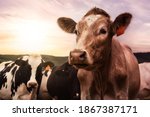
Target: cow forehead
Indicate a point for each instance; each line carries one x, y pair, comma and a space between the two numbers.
81, 42
90, 19
31, 57
34, 61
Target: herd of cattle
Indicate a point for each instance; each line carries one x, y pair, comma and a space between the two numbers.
30, 77
100, 67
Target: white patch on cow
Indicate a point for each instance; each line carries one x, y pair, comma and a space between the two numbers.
23, 94
91, 19
25, 58
21, 90
34, 61
43, 92
44, 81
3, 94
2, 65
81, 45
15, 74
7, 87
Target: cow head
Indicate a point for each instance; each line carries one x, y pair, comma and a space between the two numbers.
94, 36
29, 72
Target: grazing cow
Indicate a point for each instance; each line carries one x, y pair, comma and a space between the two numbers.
47, 69
63, 83
21, 79
144, 92
107, 68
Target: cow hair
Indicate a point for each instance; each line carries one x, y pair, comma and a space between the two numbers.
97, 11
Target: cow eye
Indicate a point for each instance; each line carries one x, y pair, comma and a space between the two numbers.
102, 31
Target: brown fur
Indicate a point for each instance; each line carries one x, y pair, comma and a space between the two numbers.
97, 11
112, 70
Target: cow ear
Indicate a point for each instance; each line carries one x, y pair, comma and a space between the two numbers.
67, 24
46, 64
121, 23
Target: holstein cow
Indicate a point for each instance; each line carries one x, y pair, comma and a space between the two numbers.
107, 68
47, 69
63, 83
21, 79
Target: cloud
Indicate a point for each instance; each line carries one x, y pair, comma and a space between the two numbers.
137, 35
147, 24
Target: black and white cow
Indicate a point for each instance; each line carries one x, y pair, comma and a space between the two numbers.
63, 84
21, 79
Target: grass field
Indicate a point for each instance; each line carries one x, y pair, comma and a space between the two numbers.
56, 60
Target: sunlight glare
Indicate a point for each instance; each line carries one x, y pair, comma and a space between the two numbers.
31, 35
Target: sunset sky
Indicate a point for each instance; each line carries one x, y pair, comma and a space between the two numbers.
30, 26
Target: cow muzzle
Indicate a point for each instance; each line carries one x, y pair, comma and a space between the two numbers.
32, 84
78, 58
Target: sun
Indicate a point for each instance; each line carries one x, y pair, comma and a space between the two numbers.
31, 35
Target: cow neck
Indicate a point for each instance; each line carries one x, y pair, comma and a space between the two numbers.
100, 77
98, 84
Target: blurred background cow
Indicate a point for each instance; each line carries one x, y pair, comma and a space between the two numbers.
21, 79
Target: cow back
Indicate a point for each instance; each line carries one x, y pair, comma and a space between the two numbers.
63, 82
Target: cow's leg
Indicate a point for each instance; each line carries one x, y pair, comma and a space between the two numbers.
84, 93
85, 89
85, 79
121, 87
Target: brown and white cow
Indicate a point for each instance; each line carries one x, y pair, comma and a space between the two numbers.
107, 68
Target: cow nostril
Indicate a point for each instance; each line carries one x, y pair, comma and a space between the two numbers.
77, 56
32, 84
82, 56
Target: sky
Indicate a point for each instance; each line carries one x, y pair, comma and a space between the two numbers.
30, 26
